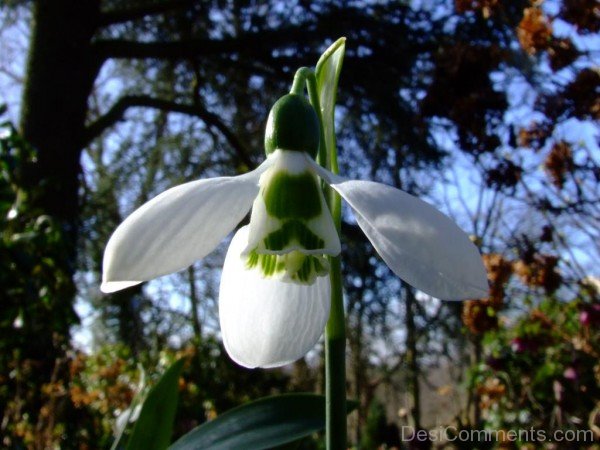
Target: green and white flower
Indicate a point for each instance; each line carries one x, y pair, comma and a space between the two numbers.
275, 290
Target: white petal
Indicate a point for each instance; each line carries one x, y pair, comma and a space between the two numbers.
266, 322
176, 228
420, 244
114, 286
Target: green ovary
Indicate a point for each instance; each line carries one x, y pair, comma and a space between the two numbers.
293, 266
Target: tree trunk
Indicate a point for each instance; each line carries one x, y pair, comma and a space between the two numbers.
60, 74
195, 305
359, 368
411, 358
474, 396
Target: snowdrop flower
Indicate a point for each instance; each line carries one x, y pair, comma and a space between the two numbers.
275, 290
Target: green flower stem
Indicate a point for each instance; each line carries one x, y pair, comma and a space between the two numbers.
335, 362
335, 331
300, 80
305, 77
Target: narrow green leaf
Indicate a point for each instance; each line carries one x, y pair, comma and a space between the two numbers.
154, 427
327, 74
264, 423
129, 414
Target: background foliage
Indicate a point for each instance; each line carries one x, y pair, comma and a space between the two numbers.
486, 108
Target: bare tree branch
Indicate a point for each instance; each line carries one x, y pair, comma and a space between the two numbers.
332, 22
116, 112
192, 48
138, 12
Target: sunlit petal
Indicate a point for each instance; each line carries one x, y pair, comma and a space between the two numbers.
266, 322
176, 228
420, 244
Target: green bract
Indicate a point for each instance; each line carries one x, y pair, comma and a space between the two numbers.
292, 125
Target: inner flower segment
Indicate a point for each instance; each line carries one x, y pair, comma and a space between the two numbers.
291, 229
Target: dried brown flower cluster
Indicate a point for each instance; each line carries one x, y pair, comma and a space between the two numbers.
462, 91
505, 174
539, 271
490, 392
559, 163
534, 30
487, 7
582, 93
535, 35
562, 53
584, 14
499, 271
578, 99
537, 315
480, 316
116, 393
535, 136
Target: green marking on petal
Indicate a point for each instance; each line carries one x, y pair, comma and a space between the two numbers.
290, 218
292, 196
293, 232
310, 266
252, 260
292, 267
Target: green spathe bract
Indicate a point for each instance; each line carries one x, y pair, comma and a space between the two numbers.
292, 125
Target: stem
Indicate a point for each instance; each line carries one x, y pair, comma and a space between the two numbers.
335, 362
300, 80
306, 77
194, 301
335, 331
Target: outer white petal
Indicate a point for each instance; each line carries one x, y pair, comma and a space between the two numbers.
420, 244
266, 322
176, 228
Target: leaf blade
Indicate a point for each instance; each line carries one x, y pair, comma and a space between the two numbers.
264, 423
154, 427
